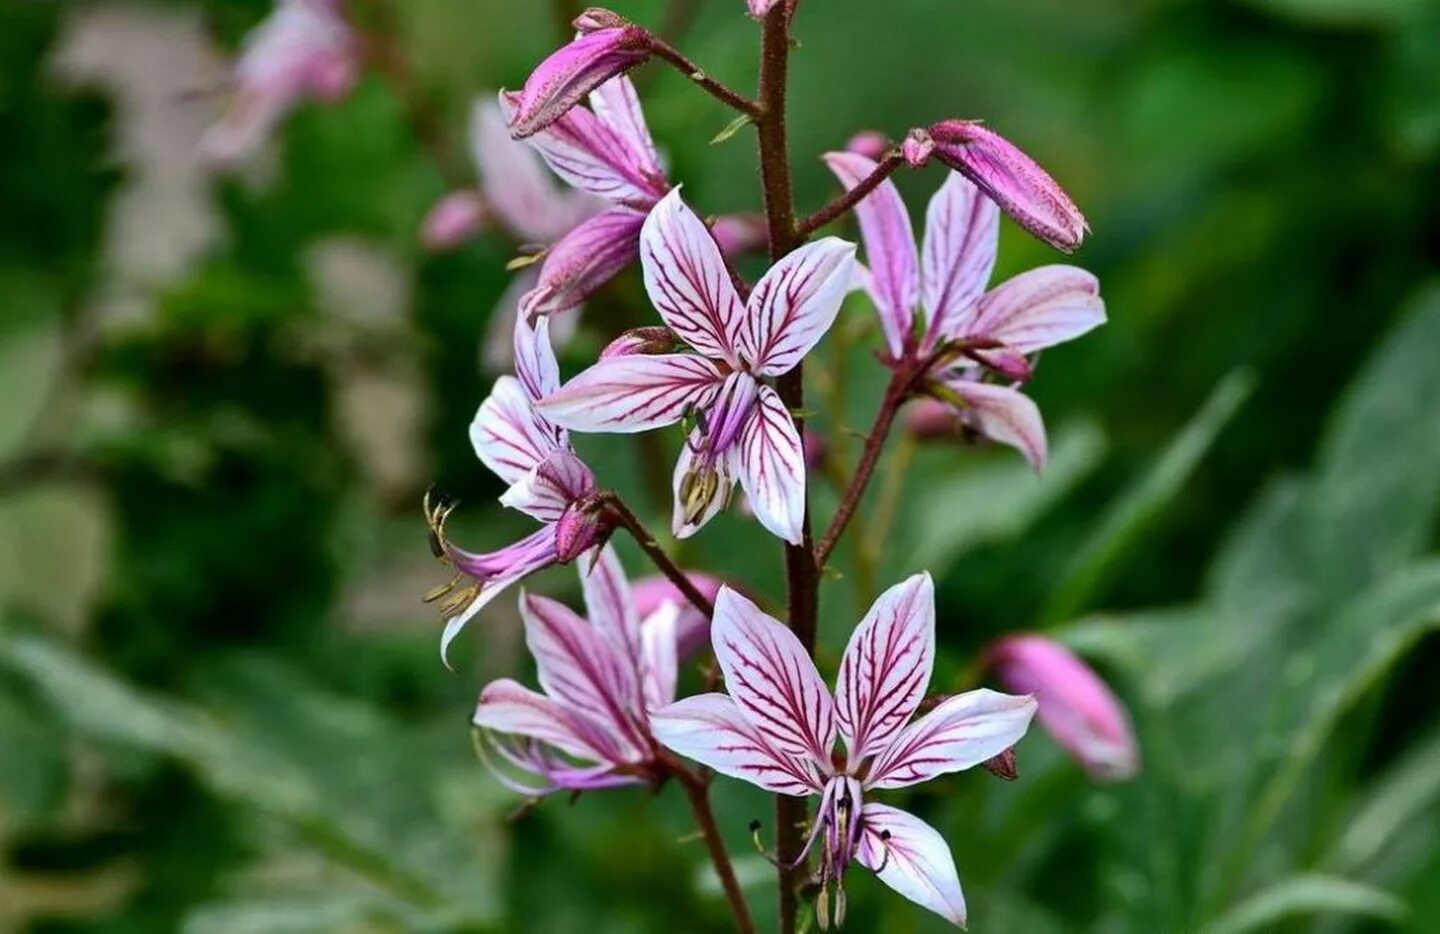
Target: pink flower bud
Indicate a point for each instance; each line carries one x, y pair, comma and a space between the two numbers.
917, 148
740, 233
597, 18
583, 260
646, 340
582, 526
570, 73
1021, 188
1076, 707
692, 628
453, 220
870, 144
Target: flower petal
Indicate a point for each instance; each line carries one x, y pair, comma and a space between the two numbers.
547, 491
494, 573
630, 394
692, 628
608, 603
700, 495
962, 235
962, 732
886, 667
772, 679
508, 435
771, 464
574, 70
912, 858
508, 707
516, 184
535, 364
687, 279
711, 730
1041, 308
1005, 415
583, 260
795, 303
659, 658
617, 106
889, 245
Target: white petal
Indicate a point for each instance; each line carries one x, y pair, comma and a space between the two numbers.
1005, 415
771, 464
608, 603
886, 667
535, 364
634, 393
508, 435
532, 553
710, 729
1041, 308
618, 107
772, 679
795, 303
962, 732
912, 858
545, 492
962, 234
659, 656
687, 279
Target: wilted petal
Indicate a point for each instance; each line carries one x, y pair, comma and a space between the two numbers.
546, 492
711, 730
702, 483
583, 260
573, 71
508, 435
795, 303
493, 574
1076, 706
508, 707
517, 186
889, 247
772, 679
962, 234
1041, 308
608, 603
617, 106
1004, 415
771, 465
630, 394
886, 667
1021, 188
963, 731
687, 279
453, 220
692, 628
659, 659
912, 858
594, 158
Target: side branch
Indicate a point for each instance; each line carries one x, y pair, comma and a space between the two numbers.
732, 99
625, 518
849, 199
698, 792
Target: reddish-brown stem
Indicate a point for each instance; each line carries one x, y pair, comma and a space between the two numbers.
732, 99
626, 519
849, 199
698, 791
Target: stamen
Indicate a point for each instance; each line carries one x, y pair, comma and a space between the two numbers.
840, 904
760, 844
884, 860
822, 907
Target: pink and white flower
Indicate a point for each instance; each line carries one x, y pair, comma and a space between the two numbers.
692, 627
778, 725
935, 310
603, 50
305, 48
548, 482
601, 678
744, 431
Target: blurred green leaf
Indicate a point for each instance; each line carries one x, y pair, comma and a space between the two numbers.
1396, 800
1306, 895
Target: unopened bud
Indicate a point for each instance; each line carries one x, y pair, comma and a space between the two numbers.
645, 340
917, 147
573, 71
582, 526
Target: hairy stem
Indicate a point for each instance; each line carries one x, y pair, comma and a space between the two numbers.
732, 99
837, 208
626, 519
697, 790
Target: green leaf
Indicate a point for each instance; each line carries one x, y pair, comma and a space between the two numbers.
1396, 801
731, 128
1307, 895
1135, 511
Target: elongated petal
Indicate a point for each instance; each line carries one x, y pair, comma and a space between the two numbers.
889, 246
564, 78
608, 603
659, 658
617, 106
771, 464
508, 435
1076, 707
962, 732
547, 491
583, 260
1005, 415
630, 394
1041, 308
580, 669
692, 628
493, 574
772, 679
508, 707
535, 364
687, 279
711, 730
517, 186
886, 667
1021, 188
702, 484
962, 234
795, 303
912, 858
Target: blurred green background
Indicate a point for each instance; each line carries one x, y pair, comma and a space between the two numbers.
221, 706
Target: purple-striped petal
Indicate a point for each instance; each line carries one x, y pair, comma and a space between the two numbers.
687, 279
795, 303
889, 247
518, 188
583, 260
608, 603
912, 858
535, 364
547, 491
630, 394
962, 235
963, 731
493, 574
509, 707
1004, 415
772, 679
617, 106
771, 465
508, 435
1040, 308
564, 78
886, 667
659, 658
1021, 188
702, 483
711, 730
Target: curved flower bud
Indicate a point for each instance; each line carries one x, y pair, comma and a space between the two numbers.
453, 220
933, 420
583, 260
1016, 183
1076, 707
569, 74
581, 526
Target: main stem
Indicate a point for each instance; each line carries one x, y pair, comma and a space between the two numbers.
800, 570
698, 792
